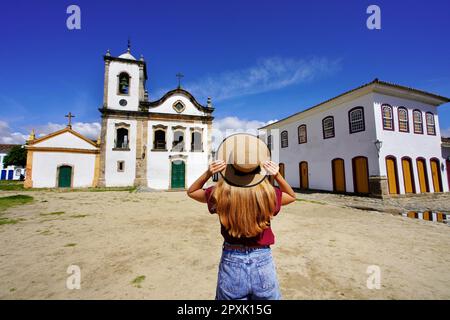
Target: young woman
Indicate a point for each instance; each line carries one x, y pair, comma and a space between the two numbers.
245, 202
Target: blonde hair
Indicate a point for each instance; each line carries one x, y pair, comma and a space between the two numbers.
244, 212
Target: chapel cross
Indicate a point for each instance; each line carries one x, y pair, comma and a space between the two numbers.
179, 76
70, 116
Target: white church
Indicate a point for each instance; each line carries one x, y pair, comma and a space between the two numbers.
379, 139
161, 144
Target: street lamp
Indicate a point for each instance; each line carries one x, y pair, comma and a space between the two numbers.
378, 145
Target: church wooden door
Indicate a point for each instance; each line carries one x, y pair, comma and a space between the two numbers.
303, 168
360, 175
422, 174
391, 169
338, 175
178, 174
408, 176
436, 175
65, 177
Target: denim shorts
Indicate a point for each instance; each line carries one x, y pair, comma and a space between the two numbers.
247, 275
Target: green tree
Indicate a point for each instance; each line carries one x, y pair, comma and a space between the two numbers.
17, 156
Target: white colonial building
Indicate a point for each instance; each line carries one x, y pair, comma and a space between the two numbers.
161, 144
9, 172
379, 139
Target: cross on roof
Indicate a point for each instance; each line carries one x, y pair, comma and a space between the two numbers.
179, 75
70, 116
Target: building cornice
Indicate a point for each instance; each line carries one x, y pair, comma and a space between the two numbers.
145, 115
376, 86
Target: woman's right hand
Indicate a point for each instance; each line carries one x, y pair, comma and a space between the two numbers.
216, 166
271, 167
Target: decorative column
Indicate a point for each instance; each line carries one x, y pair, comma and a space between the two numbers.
141, 153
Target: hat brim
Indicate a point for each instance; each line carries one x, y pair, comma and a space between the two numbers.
237, 178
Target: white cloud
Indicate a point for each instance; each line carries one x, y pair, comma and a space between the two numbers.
88, 129
9, 137
266, 75
445, 132
222, 128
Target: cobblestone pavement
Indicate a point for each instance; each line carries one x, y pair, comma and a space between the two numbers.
397, 205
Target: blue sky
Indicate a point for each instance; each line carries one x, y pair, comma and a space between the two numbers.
259, 60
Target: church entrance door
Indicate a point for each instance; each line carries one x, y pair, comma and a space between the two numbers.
65, 177
178, 174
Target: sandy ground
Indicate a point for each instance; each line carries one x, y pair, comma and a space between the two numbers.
321, 251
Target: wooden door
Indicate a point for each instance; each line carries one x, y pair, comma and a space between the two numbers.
448, 171
436, 175
422, 174
303, 168
408, 176
361, 175
391, 169
178, 174
281, 165
65, 177
338, 171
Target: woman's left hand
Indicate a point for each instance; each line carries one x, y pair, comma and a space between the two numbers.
271, 167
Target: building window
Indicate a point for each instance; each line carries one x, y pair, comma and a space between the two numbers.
178, 141
388, 117
403, 121
196, 139
284, 139
124, 83
302, 136
179, 106
120, 166
431, 128
160, 140
328, 127
418, 122
122, 139
269, 142
356, 119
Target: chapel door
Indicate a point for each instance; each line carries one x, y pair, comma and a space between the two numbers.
408, 176
422, 174
10, 174
436, 175
178, 174
338, 175
3, 177
361, 175
303, 168
65, 177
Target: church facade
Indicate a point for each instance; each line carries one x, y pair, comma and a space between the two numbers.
161, 144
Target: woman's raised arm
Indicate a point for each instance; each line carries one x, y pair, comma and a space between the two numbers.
196, 191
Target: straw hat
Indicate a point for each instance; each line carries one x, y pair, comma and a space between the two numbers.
244, 155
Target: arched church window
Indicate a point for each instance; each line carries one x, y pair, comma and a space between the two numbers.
121, 138
160, 140
388, 117
124, 83
196, 140
178, 141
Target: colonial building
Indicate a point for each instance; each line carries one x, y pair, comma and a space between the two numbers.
161, 144
9, 172
379, 139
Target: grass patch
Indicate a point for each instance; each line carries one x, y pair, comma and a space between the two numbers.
311, 201
8, 221
137, 281
79, 215
8, 185
70, 245
11, 201
12, 289
57, 213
